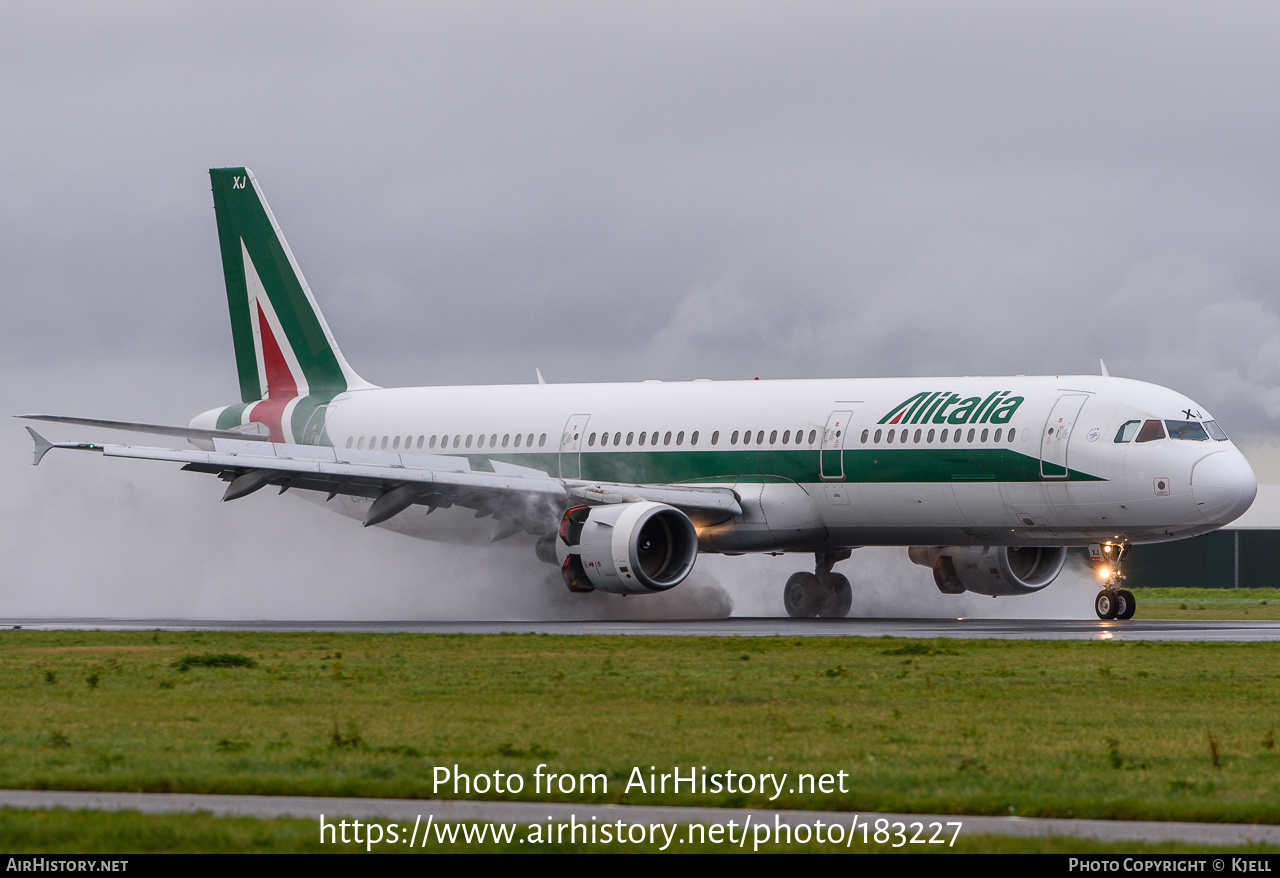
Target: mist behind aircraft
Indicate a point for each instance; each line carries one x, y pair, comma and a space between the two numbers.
721, 190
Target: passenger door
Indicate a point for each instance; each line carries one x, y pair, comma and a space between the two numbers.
1057, 435
831, 462
571, 441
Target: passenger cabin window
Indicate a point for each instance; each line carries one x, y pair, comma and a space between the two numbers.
1151, 431
1215, 431
680, 438
1187, 430
630, 438
813, 434
666, 440
519, 436
1011, 432
715, 437
693, 440
542, 440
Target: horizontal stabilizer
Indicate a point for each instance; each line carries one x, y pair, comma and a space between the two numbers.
254, 433
44, 446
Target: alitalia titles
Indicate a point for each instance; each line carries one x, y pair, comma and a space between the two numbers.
945, 407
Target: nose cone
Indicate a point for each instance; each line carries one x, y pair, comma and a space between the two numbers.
1223, 485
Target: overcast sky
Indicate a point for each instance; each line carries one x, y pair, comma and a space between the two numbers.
612, 191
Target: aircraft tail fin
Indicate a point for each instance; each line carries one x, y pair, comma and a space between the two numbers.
284, 348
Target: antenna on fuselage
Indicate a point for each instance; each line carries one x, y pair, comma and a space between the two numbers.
1103, 364
541, 380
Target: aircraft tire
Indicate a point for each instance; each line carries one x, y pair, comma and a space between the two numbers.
1105, 604
1127, 604
837, 595
802, 595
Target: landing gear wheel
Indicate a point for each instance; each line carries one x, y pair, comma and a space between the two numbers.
1106, 604
1126, 605
802, 595
837, 595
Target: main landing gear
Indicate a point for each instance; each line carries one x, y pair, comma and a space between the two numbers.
1113, 602
821, 593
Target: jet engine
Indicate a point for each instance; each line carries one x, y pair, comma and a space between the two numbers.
991, 570
626, 548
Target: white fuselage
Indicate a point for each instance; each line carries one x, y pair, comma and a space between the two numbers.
1025, 460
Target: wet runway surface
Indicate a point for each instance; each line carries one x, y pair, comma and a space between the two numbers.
411, 810
1004, 629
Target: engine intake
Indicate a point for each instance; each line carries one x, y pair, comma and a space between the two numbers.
991, 570
626, 548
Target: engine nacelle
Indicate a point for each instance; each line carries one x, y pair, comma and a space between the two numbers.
991, 570
626, 548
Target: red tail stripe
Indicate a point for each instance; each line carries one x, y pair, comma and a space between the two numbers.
280, 381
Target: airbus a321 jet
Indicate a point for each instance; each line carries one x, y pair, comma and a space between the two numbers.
987, 480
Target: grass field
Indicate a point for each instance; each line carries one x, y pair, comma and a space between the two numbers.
70, 832
1257, 604
1122, 730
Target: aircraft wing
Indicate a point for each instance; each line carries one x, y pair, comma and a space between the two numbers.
520, 498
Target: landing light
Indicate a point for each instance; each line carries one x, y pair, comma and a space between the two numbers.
1104, 573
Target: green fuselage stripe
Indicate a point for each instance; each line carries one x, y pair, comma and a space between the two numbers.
868, 466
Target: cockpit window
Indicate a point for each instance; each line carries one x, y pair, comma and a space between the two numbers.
1187, 430
1215, 431
1151, 431
1127, 431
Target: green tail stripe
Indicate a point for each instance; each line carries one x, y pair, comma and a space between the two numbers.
243, 216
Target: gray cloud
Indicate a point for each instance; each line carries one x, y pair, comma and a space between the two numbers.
624, 191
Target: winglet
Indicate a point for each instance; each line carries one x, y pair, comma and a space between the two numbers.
42, 446
1103, 364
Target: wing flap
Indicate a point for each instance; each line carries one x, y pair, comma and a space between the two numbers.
250, 433
372, 474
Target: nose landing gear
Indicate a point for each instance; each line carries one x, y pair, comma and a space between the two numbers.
821, 593
1113, 602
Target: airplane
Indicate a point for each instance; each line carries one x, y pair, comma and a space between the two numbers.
987, 481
